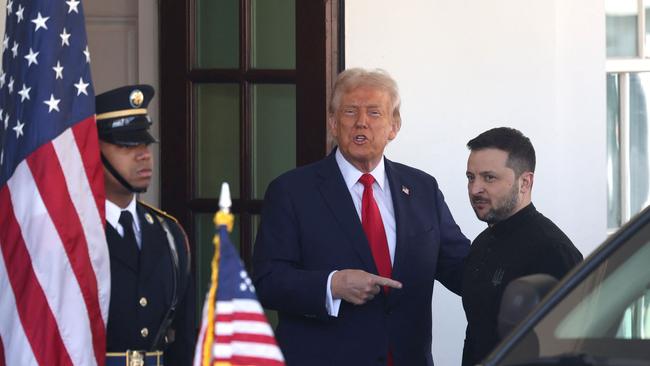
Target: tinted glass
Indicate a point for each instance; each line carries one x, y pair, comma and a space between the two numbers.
613, 153
217, 139
273, 34
639, 154
274, 133
621, 24
217, 33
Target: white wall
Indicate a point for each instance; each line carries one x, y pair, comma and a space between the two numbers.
464, 66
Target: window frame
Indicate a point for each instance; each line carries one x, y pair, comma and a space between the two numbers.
319, 34
623, 67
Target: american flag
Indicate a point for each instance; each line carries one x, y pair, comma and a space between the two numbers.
54, 263
234, 330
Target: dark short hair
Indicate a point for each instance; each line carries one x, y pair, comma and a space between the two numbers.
521, 153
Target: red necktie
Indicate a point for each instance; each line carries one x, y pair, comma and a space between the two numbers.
374, 227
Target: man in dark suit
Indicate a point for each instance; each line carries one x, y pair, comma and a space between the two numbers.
349, 247
151, 312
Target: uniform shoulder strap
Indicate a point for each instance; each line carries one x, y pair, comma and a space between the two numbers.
161, 215
158, 211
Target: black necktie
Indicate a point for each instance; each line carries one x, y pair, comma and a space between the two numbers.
126, 220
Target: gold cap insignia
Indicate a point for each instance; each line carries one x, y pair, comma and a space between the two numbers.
148, 217
136, 98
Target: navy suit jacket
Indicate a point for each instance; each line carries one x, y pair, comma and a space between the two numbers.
310, 228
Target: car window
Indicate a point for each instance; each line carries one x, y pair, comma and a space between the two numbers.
636, 319
606, 315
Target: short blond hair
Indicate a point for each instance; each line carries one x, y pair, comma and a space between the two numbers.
354, 78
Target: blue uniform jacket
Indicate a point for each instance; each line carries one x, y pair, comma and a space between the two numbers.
148, 275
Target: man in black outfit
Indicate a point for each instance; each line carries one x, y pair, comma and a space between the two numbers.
151, 312
518, 241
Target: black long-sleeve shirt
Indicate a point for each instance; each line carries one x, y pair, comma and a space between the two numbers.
525, 243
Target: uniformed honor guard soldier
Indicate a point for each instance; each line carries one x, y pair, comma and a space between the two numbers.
151, 314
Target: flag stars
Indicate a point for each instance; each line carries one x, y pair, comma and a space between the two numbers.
24, 93
58, 69
246, 283
19, 129
87, 53
40, 22
6, 121
72, 6
10, 86
10, 5
31, 57
81, 87
5, 43
52, 103
2, 83
65, 38
14, 49
19, 13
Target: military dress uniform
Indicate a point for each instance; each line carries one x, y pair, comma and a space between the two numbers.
143, 286
151, 312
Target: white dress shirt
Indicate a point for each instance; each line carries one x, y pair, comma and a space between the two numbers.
113, 213
381, 193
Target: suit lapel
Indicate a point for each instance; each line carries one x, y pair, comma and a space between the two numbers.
120, 250
154, 242
399, 192
337, 196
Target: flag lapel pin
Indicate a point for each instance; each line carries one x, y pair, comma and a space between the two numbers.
406, 190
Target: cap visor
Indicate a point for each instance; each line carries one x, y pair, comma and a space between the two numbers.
131, 138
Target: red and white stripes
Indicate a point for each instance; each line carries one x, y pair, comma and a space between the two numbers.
54, 267
243, 335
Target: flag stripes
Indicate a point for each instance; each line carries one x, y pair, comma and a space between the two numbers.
49, 177
77, 180
54, 262
54, 233
234, 329
41, 331
11, 330
2, 351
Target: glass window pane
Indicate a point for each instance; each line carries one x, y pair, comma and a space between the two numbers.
204, 234
274, 133
639, 146
217, 136
613, 153
646, 6
217, 34
621, 28
273, 34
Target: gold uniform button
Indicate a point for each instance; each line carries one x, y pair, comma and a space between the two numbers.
144, 332
143, 301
